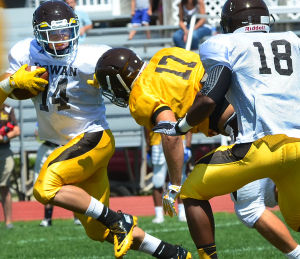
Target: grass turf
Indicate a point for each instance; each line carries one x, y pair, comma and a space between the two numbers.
66, 240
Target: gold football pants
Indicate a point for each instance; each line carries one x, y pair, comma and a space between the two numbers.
81, 162
228, 168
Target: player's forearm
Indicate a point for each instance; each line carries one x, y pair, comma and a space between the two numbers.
173, 151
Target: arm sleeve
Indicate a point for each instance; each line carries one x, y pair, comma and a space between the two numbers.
217, 83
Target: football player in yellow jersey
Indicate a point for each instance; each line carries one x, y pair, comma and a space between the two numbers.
267, 144
161, 90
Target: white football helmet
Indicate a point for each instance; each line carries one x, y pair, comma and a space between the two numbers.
56, 28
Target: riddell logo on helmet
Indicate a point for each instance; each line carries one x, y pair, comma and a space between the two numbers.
255, 28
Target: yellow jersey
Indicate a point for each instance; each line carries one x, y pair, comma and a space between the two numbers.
172, 78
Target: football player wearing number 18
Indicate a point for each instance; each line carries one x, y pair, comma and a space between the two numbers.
71, 114
259, 73
161, 90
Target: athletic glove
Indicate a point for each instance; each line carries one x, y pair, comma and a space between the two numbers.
168, 128
169, 198
28, 80
93, 82
187, 154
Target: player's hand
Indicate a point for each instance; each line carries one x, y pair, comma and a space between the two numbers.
28, 80
168, 128
169, 198
93, 82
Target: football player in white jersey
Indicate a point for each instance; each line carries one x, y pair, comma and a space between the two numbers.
71, 114
258, 72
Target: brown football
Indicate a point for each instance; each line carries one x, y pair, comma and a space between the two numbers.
22, 94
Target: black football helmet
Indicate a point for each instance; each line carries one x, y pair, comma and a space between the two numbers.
115, 71
56, 28
241, 13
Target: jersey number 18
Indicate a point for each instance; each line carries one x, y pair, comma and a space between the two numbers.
278, 56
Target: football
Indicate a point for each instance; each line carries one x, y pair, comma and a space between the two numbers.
22, 94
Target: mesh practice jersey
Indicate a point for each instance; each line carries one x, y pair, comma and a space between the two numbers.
172, 78
265, 90
69, 106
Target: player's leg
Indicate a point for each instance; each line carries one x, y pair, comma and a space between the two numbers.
220, 172
84, 158
276, 232
79, 163
250, 203
288, 183
141, 241
149, 244
74, 177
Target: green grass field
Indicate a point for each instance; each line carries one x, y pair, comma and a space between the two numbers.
65, 240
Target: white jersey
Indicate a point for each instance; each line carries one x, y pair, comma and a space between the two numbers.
69, 106
265, 88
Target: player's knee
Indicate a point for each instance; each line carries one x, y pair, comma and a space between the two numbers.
44, 192
39, 194
249, 216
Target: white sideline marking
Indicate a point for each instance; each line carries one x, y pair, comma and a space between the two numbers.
242, 250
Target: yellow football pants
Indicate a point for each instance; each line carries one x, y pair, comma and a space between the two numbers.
228, 168
81, 162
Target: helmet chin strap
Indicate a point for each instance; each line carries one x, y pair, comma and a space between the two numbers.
141, 70
108, 83
254, 28
123, 83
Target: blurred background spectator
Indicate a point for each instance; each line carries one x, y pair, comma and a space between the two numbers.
84, 20
8, 130
187, 8
141, 11
157, 10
